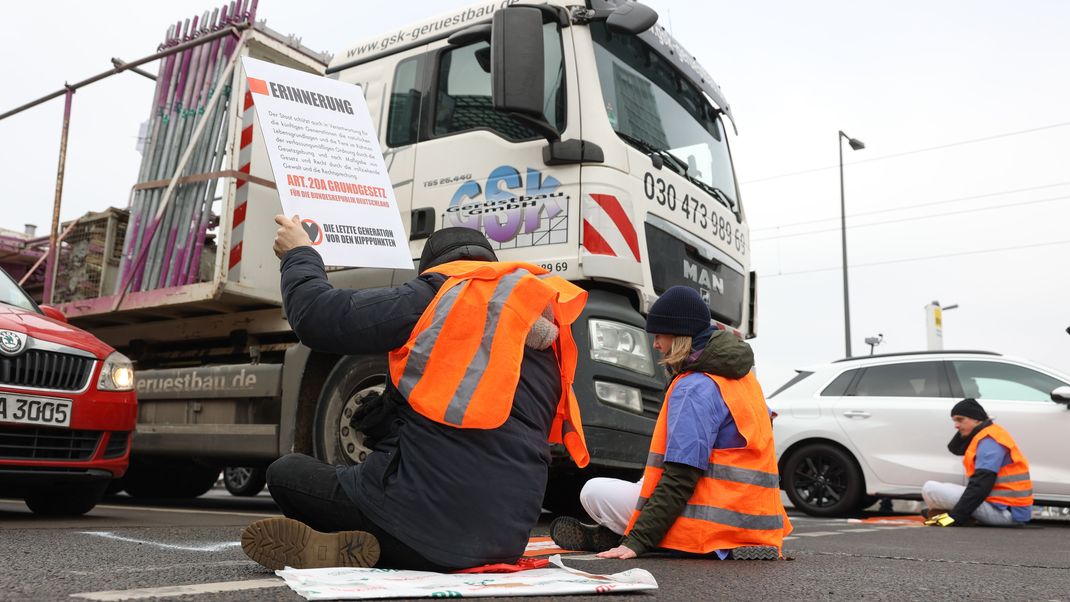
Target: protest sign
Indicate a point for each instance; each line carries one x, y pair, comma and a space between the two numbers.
328, 166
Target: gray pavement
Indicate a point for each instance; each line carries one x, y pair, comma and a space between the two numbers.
126, 545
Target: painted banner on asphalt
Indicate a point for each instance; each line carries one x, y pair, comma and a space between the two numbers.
362, 584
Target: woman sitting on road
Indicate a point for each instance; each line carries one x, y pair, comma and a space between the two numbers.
711, 481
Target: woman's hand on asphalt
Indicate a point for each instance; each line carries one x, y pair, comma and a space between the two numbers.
621, 552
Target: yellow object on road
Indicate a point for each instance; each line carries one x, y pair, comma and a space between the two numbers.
940, 520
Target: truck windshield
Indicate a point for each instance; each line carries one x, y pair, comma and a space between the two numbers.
656, 109
11, 294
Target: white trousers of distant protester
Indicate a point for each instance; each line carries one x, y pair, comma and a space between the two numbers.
611, 502
944, 496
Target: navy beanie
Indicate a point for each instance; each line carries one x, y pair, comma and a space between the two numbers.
679, 311
454, 244
970, 408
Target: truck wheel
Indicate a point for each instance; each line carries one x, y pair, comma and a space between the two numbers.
244, 481
352, 380
823, 480
166, 477
65, 501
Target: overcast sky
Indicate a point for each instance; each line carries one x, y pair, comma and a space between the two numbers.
900, 76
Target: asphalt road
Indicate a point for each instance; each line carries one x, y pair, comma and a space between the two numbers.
173, 548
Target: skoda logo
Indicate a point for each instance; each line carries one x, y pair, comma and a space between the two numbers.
11, 343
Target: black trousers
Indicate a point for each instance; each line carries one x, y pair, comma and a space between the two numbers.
308, 490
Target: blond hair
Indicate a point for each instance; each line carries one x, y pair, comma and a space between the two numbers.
678, 354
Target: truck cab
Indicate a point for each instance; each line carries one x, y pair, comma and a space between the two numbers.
581, 138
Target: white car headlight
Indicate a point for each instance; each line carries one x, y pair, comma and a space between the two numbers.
117, 373
621, 345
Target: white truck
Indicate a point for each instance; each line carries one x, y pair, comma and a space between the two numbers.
581, 137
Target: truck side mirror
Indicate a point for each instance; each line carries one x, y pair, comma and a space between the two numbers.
517, 67
53, 313
1061, 395
632, 17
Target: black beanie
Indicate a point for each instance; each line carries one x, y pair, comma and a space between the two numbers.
680, 311
969, 408
455, 244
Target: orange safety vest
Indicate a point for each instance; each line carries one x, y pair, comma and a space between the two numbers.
1013, 485
461, 364
737, 501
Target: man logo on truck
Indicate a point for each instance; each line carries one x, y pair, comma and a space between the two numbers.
703, 277
11, 343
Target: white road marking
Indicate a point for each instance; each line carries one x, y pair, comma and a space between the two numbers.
180, 590
167, 567
215, 547
858, 530
189, 511
817, 534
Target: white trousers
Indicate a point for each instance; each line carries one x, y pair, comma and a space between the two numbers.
610, 502
944, 496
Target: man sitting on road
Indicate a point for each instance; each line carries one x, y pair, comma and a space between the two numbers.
999, 491
480, 371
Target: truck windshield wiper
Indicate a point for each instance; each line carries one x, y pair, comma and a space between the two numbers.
676, 163
716, 192
680, 166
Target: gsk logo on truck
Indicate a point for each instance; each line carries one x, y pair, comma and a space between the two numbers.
511, 208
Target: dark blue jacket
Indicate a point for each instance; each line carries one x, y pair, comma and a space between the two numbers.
460, 497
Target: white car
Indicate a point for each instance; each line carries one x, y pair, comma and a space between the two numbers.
857, 429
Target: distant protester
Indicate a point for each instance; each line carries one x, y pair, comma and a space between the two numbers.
711, 484
999, 491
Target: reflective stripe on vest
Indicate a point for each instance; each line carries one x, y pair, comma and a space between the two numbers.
713, 514
425, 342
728, 473
737, 500
1013, 486
454, 372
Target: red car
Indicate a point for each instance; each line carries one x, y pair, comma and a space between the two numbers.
67, 408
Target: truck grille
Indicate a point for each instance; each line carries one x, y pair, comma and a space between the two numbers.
47, 444
46, 370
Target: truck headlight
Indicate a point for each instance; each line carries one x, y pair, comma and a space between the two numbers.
117, 373
621, 345
621, 396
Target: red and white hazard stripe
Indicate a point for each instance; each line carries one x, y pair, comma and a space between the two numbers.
241, 196
608, 229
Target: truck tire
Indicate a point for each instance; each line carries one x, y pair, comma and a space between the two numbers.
352, 379
823, 480
73, 500
170, 478
244, 481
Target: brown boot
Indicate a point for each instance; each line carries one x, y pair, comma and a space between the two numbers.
277, 543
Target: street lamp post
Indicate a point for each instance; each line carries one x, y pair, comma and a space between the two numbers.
855, 145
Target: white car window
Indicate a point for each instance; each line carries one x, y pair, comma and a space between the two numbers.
996, 380
839, 386
913, 379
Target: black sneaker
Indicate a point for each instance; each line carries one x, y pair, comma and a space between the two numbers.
571, 534
277, 543
754, 553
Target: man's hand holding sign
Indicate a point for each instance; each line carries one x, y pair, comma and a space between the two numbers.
328, 168
290, 235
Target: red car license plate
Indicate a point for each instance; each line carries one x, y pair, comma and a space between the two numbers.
26, 409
